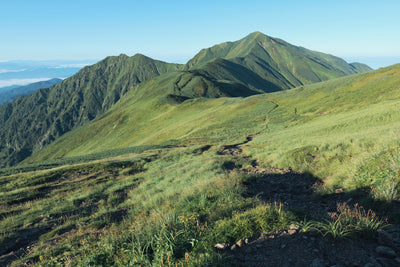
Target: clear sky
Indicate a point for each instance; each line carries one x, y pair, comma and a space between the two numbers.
174, 31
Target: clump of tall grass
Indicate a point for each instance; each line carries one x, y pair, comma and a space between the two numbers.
262, 218
350, 222
381, 174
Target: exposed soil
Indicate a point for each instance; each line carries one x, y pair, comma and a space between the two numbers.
281, 248
292, 247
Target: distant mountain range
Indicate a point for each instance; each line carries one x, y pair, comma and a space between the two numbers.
18, 73
9, 95
253, 65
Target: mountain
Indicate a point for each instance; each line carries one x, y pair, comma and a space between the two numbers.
13, 93
30, 69
253, 65
23, 72
257, 64
149, 163
142, 118
360, 67
6, 88
148, 182
30, 122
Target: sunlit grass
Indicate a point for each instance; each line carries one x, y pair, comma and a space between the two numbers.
164, 201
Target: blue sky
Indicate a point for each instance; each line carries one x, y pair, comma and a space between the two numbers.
174, 31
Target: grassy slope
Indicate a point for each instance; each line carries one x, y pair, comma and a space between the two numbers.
354, 112
31, 122
139, 208
277, 61
143, 118
252, 65
339, 122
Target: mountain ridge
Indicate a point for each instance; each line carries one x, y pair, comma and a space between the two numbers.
273, 60
250, 69
166, 122
70, 103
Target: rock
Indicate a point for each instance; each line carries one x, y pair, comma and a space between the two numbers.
317, 263
339, 191
291, 232
233, 247
240, 243
246, 241
385, 251
221, 246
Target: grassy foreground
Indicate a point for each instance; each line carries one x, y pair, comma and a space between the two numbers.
171, 203
158, 206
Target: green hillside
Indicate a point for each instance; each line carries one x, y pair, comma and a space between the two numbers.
30, 122
153, 182
277, 61
138, 162
256, 64
285, 122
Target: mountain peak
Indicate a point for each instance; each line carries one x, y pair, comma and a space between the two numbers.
138, 55
256, 34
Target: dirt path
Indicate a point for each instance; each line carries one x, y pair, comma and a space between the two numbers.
292, 247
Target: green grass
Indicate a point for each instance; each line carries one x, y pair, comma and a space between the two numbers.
135, 187
347, 222
172, 208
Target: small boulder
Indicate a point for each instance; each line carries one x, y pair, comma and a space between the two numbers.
291, 232
240, 243
221, 246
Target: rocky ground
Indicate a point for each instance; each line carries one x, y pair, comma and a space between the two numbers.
295, 247
291, 247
